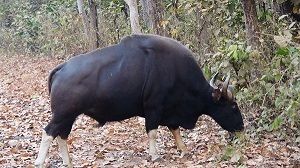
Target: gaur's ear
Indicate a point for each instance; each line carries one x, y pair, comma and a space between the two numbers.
216, 94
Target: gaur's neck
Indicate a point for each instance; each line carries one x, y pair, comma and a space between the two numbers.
206, 98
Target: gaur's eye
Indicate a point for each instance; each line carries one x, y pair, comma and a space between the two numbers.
234, 105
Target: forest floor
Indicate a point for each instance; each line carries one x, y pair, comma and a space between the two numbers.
25, 110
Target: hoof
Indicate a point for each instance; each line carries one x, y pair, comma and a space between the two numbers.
38, 166
155, 158
68, 166
185, 154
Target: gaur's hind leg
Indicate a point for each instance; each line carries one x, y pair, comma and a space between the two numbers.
60, 127
178, 140
63, 150
43, 151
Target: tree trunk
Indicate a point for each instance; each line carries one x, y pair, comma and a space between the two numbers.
84, 18
202, 34
146, 13
283, 8
134, 16
90, 24
175, 6
94, 37
290, 7
251, 23
153, 14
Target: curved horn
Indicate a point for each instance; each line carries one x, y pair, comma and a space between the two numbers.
225, 86
212, 81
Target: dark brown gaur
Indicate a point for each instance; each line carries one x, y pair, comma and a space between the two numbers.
143, 75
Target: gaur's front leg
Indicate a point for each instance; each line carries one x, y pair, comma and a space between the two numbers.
151, 123
178, 140
152, 145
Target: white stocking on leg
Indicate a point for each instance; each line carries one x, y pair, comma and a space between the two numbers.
63, 150
43, 151
152, 145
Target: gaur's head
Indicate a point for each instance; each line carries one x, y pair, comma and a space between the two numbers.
223, 108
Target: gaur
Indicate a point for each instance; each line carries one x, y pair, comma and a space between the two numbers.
143, 75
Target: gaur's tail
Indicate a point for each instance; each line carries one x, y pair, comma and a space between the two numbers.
53, 73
